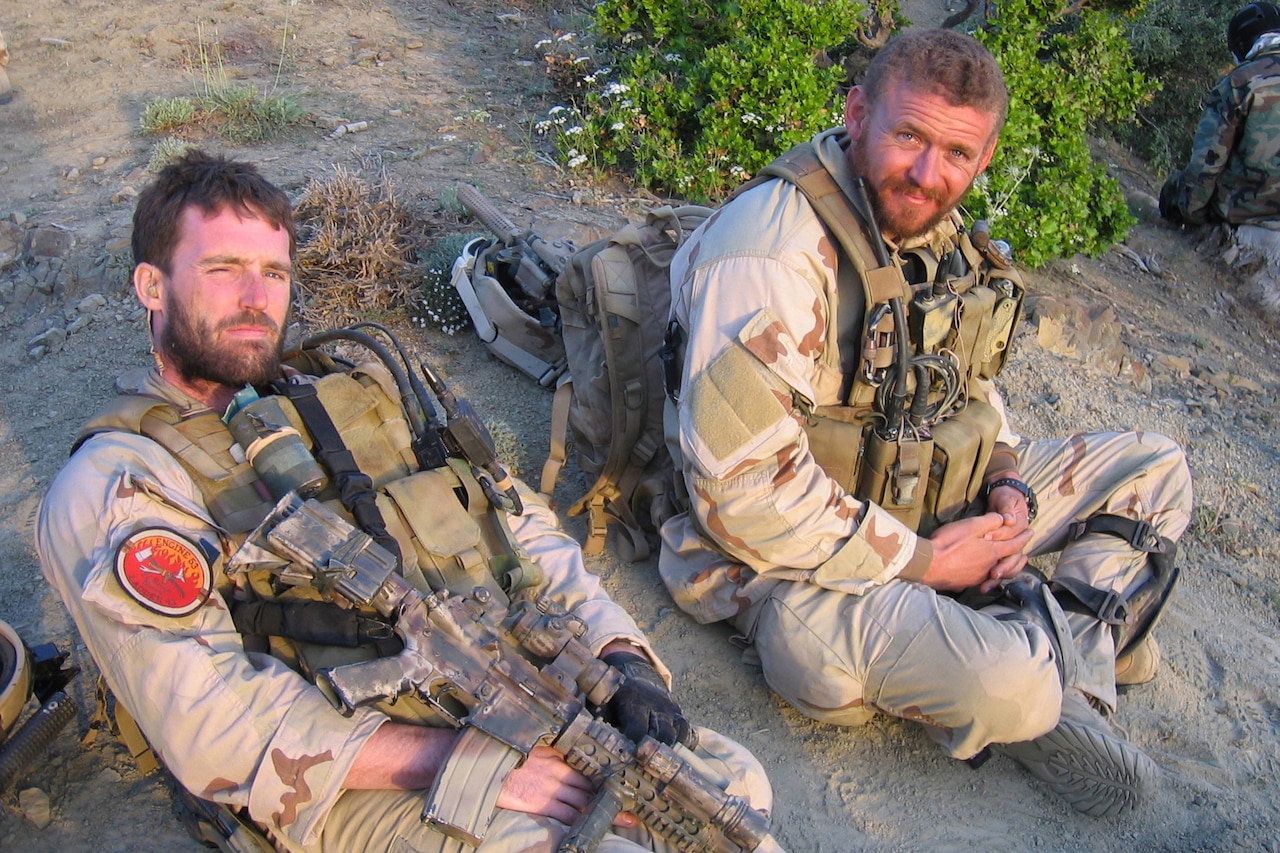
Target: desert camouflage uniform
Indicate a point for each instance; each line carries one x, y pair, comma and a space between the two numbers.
243, 728
822, 584
1234, 172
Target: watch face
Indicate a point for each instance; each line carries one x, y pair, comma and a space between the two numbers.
164, 572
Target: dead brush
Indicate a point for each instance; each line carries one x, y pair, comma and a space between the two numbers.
357, 248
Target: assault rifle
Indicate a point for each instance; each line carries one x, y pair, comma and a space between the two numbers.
472, 660
532, 262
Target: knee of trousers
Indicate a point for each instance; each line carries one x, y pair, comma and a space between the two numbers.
739, 770
809, 672
1024, 707
1000, 684
1173, 473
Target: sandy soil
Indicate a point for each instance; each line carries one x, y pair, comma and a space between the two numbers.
449, 90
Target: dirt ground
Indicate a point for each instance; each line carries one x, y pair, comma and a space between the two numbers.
1149, 336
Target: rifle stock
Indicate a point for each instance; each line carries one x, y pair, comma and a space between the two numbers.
469, 657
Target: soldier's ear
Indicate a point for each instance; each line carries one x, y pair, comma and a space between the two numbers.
148, 283
855, 112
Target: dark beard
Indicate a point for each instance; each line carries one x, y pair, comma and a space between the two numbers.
189, 347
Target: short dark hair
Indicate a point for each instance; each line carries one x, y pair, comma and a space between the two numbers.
941, 62
209, 183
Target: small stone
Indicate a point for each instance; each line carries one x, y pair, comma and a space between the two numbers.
72, 173
109, 774
92, 304
35, 807
50, 340
78, 324
17, 217
99, 162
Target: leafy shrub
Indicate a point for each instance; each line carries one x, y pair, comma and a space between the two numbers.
1181, 45
1066, 74
437, 304
693, 97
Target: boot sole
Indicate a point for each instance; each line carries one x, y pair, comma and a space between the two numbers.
1097, 773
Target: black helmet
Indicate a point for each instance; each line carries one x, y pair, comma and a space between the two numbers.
1249, 23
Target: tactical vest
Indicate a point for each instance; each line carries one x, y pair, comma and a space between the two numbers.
960, 302
448, 533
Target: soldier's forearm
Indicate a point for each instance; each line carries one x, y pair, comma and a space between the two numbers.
400, 757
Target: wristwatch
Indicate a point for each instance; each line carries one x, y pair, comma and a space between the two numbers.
1033, 506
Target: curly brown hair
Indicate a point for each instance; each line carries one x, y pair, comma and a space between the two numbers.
210, 183
941, 62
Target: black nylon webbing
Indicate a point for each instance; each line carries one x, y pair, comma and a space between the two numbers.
355, 488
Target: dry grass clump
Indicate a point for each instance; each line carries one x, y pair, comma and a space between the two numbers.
356, 250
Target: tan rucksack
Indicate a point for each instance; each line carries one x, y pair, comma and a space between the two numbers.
614, 297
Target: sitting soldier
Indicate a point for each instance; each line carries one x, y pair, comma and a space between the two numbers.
1233, 178
144, 534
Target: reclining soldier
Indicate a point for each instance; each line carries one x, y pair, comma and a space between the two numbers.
858, 506
139, 529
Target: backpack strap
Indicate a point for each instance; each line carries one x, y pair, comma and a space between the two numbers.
1134, 613
559, 452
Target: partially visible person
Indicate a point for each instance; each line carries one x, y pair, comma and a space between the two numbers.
1233, 176
136, 531
1231, 186
858, 506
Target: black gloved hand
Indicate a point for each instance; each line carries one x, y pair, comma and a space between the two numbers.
643, 705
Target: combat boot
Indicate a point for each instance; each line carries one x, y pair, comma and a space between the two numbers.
1139, 664
1086, 762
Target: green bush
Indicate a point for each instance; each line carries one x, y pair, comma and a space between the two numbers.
1066, 74
692, 98
1181, 45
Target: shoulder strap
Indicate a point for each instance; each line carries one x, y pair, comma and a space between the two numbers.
847, 221
125, 413
355, 488
199, 443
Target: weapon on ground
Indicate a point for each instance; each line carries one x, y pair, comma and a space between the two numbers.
472, 660
532, 262
26, 672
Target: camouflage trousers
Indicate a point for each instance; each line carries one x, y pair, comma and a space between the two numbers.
905, 650
392, 820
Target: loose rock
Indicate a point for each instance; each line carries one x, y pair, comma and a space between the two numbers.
35, 807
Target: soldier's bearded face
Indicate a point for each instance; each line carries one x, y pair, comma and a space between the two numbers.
200, 351
225, 301
918, 154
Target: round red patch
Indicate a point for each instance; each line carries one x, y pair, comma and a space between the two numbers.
164, 572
